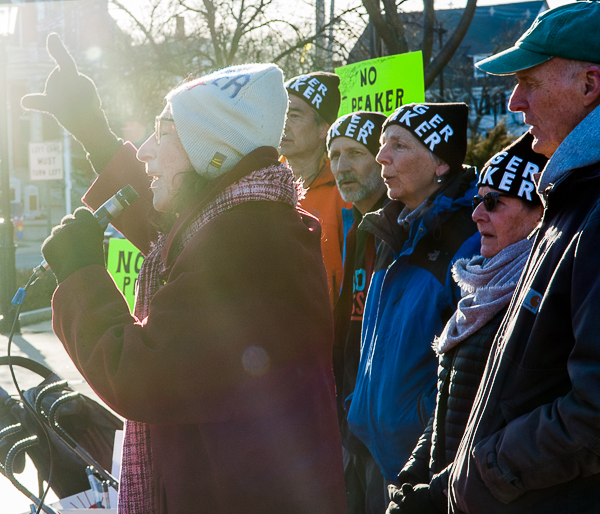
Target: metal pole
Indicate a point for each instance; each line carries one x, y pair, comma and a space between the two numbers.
68, 168
330, 45
49, 224
8, 280
319, 25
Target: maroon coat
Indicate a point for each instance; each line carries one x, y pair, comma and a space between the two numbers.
231, 370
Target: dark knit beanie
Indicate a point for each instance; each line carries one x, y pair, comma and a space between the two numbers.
442, 128
320, 90
362, 126
511, 170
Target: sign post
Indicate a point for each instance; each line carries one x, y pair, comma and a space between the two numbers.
382, 84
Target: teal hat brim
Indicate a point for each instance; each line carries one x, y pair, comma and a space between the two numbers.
512, 60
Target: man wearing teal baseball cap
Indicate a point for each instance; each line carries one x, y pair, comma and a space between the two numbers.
532, 444
552, 61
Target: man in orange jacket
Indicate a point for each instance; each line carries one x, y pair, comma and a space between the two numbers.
314, 104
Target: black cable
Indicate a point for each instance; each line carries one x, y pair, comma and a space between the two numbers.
18, 302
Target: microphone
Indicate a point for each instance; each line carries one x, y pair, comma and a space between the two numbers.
107, 212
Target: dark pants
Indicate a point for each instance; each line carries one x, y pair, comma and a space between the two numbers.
365, 486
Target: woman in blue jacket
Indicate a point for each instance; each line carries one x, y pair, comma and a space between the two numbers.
506, 210
412, 296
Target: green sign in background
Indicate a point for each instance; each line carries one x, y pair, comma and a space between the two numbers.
382, 84
124, 263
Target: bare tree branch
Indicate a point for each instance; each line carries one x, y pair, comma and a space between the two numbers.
297, 46
212, 27
391, 28
428, 31
192, 9
383, 29
437, 65
138, 23
393, 19
301, 43
237, 34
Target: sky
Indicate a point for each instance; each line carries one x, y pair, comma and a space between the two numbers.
298, 12
305, 8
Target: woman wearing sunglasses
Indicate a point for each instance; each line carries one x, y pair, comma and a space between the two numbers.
507, 210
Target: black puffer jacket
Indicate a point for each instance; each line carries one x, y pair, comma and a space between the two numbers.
459, 374
533, 443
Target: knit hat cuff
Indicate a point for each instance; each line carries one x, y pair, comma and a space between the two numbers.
362, 126
441, 127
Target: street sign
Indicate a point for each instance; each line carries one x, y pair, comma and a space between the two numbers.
46, 160
124, 263
382, 84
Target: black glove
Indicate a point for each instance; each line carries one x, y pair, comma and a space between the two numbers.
396, 496
77, 242
72, 98
412, 500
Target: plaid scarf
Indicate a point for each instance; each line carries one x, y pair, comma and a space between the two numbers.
275, 183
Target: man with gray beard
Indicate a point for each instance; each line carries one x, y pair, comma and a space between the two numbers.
352, 144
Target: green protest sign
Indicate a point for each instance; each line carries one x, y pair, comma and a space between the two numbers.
382, 84
124, 263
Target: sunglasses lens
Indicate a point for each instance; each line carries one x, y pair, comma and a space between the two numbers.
489, 201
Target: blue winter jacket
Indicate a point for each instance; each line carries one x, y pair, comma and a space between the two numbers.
411, 297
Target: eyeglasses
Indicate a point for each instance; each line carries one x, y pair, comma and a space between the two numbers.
158, 120
489, 200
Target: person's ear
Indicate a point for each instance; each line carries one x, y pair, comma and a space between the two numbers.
323, 130
441, 170
591, 94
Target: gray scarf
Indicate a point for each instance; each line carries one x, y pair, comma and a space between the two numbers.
487, 287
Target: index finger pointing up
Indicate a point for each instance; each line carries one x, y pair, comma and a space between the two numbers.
60, 54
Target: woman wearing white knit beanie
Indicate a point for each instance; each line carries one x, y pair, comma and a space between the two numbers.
223, 370
230, 112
